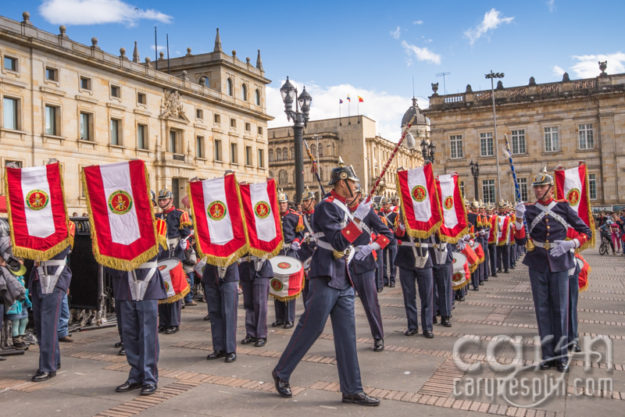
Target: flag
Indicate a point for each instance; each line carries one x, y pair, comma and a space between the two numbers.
572, 185
419, 201
455, 223
340, 101
503, 230
37, 213
218, 220
349, 99
123, 228
262, 216
360, 99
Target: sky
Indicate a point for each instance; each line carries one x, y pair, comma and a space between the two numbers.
383, 51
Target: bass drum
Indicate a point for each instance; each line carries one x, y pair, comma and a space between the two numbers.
460, 275
288, 278
175, 280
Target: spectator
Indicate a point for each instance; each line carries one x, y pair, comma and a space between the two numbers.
18, 315
615, 230
63, 329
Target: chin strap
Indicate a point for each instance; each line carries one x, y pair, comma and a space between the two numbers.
546, 192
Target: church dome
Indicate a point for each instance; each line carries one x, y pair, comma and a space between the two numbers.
412, 110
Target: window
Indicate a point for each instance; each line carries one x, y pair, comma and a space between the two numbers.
244, 92
141, 98
116, 91
248, 155
10, 113
282, 177
586, 139
257, 97
486, 144
592, 186
142, 137
488, 191
462, 188
260, 130
456, 146
52, 123
199, 147
52, 74
552, 142
278, 154
86, 126
85, 83
116, 132
199, 114
218, 156
217, 118
14, 164
270, 155
320, 151
261, 158
175, 136
10, 63
523, 188
518, 143
229, 86
248, 127
233, 122
233, 153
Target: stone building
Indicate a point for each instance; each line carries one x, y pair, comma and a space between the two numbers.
353, 138
551, 124
76, 103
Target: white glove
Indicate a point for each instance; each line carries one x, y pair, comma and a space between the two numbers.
460, 245
363, 252
466, 238
482, 232
295, 246
563, 246
362, 210
519, 210
183, 244
402, 227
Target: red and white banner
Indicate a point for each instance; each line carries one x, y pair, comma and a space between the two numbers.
503, 230
572, 185
220, 229
455, 222
123, 230
37, 212
419, 201
262, 216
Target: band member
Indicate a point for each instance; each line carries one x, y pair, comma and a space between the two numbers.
255, 274
308, 243
442, 270
222, 296
484, 233
492, 240
475, 227
549, 259
390, 252
503, 239
292, 228
362, 271
331, 290
178, 230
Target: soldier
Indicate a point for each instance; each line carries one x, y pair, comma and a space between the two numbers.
292, 228
362, 271
442, 270
484, 233
221, 287
549, 258
178, 230
390, 252
475, 226
309, 201
331, 290
255, 274
503, 238
492, 239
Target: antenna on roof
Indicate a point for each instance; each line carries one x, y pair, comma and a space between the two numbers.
443, 74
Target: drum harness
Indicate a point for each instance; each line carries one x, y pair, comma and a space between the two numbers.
139, 287
420, 260
48, 281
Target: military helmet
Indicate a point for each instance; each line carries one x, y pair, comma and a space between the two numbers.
542, 178
475, 204
384, 200
342, 172
164, 194
282, 198
501, 204
308, 195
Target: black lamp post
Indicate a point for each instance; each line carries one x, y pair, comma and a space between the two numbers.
300, 119
427, 150
475, 171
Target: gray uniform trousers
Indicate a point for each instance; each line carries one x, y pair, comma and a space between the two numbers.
222, 299
255, 293
425, 282
46, 310
503, 257
365, 285
492, 254
325, 301
573, 296
169, 314
486, 262
443, 293
550, 291
139, 325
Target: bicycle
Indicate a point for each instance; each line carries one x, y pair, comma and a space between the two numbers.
605, 246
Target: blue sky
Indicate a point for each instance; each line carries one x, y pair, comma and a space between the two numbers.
369, 48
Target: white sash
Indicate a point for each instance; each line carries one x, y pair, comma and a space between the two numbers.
46, 281
546, 210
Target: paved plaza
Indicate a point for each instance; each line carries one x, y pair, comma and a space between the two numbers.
413, 376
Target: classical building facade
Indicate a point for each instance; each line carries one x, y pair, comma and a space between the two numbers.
547, 125
353, 138
76, 103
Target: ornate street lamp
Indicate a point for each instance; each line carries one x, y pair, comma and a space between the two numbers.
427, 150
300, 119
475, 171
491, 76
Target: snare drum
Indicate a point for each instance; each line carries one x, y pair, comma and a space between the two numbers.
479, 251
471, 257
175, 280
288, 278
460, 275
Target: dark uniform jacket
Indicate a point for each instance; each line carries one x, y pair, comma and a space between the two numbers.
121, 289
308, 242
178, 227
211, 274
66, 276
247, 269
383, 236
406, 256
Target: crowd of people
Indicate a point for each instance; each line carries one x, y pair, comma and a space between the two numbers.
611, 226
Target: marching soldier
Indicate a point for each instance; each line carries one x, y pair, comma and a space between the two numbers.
475, 228
503, 240
308, 243
549, 259
331, 290
492, 240
292, 228
390, 252
255, 274
442, 270
221, 287
484, 233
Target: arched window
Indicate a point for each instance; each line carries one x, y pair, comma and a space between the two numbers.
257, 97
285, 154
320, 151
278, 154
313, 150
230, 87
270, 155
282, 177
244, 92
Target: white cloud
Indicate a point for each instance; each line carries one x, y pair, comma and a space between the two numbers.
386, 109
396, 33
158, 48
91, 12
551, 4
559, 71
492, 19
417, 22
422, 54
587, 66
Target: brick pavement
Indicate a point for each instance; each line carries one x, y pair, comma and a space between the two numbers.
413, 374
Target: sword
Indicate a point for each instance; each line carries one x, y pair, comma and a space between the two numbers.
314, 168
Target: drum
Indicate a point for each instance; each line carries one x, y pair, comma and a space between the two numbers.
175, 280
479, 251
288, 278
471, 257
460, 274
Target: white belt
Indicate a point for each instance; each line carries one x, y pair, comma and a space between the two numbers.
139, 287
46, 281
417, 244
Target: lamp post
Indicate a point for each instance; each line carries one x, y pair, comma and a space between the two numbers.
300, 119
427, 150
491, 76
475, 171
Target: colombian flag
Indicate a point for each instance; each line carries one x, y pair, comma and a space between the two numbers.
360, 99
